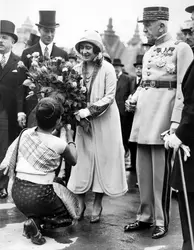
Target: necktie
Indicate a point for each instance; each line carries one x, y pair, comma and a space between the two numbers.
3, 61
46, 53
139, 82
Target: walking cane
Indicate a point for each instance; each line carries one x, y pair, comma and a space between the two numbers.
186, 198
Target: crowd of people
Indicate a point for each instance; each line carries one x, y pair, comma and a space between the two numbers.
127, 117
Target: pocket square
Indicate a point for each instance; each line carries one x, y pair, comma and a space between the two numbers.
15, 71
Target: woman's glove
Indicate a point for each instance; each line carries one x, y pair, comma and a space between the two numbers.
82, 113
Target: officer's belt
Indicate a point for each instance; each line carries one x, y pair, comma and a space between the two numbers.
159, 84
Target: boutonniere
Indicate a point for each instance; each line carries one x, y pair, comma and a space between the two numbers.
14, 71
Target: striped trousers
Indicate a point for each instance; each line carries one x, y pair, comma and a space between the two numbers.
153, 174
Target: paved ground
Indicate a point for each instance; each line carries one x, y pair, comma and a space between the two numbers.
107, 235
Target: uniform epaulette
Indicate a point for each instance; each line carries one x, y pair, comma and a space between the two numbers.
178, 41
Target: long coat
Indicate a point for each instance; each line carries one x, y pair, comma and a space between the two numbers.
125, 87
157, 108
31, 103
102, 149
185, 133
10, 100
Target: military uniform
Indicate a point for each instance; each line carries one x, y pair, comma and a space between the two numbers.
160, 103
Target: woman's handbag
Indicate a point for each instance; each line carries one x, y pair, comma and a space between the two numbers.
9, 169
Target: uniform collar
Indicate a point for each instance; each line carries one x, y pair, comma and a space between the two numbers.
163, 38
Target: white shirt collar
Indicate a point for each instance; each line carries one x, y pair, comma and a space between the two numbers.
120, 73
43, 46
7, 55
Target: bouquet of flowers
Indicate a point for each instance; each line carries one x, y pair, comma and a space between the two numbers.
56, 78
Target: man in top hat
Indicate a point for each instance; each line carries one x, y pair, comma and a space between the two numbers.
190, 9
9, 86
46, 47
125, 87
159, 106
187, 30
138, 79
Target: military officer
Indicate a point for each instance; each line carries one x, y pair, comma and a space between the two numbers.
187, 30
159, 106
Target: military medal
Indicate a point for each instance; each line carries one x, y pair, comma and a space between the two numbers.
161, 62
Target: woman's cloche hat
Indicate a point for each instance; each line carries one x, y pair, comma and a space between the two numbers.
47, 19
93, 37
8, 28
154, 14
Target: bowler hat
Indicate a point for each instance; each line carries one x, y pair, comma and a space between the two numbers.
47, 19
139, 60
117, 62
33, 39
93, 37
190, 9
7, 27
154, 14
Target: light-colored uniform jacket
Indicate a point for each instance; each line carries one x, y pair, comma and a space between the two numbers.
103, 148
157, 108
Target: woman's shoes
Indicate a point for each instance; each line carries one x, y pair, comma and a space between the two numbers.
31, 232
96, 218
81, 214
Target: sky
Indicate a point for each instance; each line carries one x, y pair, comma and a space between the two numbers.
75, 16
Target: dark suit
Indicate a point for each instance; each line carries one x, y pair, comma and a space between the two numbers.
10, 100
30, 104
185, 133
125, 86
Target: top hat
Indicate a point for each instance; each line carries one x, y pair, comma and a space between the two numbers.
190, 9
7, 27
187, 25
93, 37
154, 14
139, 60
33, 39
117, 62
47, 19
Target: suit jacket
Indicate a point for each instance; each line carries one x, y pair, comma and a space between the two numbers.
31, 103
185, 133
10, 98
125, 86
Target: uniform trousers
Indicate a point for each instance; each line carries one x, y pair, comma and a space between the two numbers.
153, 173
